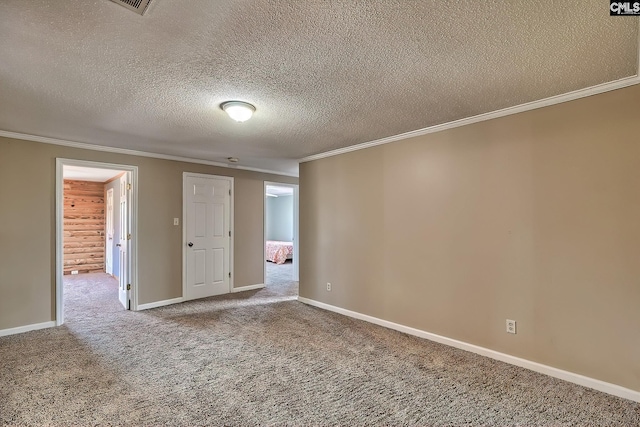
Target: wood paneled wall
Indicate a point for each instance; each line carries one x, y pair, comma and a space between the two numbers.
84, 211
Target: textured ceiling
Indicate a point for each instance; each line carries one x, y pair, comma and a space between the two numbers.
322, 74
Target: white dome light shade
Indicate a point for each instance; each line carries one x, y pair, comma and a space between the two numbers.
238, 110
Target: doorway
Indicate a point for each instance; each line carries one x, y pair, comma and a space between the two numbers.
281, 249
95, 234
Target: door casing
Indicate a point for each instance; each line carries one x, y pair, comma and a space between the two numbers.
124, 294
133, 216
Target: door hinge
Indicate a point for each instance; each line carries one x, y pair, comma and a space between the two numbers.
229, 274
129, 286
128, 186
229, 191
229, 233
129, 236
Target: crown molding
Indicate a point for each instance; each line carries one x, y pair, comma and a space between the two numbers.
94, 147
558, 99
553, 100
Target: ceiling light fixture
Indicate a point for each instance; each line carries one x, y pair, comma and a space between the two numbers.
238, 110
232, 159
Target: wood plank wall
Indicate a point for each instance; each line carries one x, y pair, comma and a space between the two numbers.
84, 228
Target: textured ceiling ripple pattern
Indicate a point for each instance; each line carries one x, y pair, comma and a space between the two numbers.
322, 74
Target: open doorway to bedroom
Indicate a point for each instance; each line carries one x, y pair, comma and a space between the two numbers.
281, 237
94, 245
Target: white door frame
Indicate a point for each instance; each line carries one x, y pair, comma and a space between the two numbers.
296, 229
133, 214
184, 227
124, 294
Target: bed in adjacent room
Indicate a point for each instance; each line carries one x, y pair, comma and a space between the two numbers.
278, 252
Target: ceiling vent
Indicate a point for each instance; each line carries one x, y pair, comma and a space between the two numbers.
138, 6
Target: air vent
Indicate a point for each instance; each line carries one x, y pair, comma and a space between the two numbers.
138, 6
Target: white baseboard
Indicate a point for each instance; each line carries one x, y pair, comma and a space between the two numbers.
247, 288
180, 299
159, 303
26, 328
582, 380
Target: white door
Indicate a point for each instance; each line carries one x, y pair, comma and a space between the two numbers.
123, 240
109, 232
207, 231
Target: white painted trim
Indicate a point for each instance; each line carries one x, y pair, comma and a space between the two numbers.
296, 228
582, 380
156, 304
59, 243
247, 288
184, 227
133, 244
129, 152
26, 328
570, 96
59, 204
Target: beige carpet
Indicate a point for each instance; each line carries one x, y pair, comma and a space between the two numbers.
281, 275
262, 358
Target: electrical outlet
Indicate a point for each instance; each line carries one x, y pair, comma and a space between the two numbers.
328, 286
511, 326
176, 221
74, 271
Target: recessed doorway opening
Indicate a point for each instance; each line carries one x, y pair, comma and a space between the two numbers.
281, 235
95, 244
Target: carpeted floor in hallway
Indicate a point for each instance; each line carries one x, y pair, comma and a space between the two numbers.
262, 358
281, 275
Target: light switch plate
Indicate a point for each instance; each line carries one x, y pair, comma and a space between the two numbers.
176, 221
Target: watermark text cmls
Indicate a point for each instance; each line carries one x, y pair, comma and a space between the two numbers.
624, 8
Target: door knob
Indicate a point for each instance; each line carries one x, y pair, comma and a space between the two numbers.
118, 244
190, 244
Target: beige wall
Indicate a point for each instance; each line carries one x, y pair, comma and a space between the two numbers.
27, 226
533, 217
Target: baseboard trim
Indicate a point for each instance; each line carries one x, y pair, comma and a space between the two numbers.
582, 380
26, 328
159, 303
247, 288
